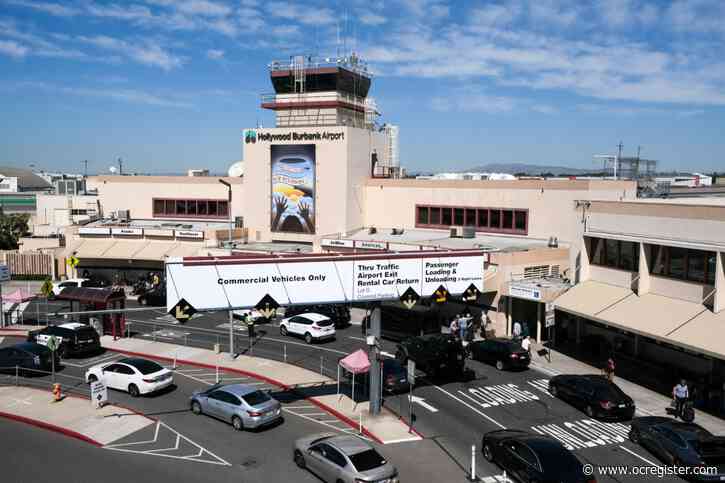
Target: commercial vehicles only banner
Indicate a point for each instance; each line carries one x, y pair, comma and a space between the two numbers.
235, 282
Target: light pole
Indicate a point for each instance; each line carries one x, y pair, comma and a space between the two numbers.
231, 315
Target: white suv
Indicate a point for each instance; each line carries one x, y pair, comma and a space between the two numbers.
310, 325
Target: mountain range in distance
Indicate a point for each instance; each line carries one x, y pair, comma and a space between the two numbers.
530, 169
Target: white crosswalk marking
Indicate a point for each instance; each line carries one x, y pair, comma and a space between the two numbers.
585, 433
499, 395
495, 479
542, 385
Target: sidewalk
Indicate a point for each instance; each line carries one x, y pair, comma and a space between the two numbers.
649, 403
320, 390
73, 416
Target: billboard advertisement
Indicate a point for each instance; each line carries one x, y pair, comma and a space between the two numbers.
293, 188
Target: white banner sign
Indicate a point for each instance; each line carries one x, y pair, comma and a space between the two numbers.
93, 230
371, 245
189, 234
99, 394
524, 292
337, 243
159, 233
127, 231
4, 273
224, 284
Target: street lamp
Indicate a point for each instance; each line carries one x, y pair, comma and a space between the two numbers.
231, 314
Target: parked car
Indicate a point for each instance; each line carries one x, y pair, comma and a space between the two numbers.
311, 326
594, 395
434, 354
346, 459
74, 339
680, 444
530, 457
133, 375
77, 282
155, 297
242, 405
503, 353
252, 315
26, 355
338, 313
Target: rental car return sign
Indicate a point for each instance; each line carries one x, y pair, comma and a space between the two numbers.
241, 281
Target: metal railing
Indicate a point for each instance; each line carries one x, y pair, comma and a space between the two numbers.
22, 376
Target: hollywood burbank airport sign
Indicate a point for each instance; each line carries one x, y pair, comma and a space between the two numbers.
240, 282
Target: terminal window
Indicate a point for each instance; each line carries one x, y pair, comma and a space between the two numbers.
623, 255
183, 208
682, 263
491, 220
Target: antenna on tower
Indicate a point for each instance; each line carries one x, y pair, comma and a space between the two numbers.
337, 43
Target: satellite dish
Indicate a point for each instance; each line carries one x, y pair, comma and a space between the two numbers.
236, 170
112, 169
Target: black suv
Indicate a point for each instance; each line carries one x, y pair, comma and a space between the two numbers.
503, 353
338, 313
74, 339
433, 354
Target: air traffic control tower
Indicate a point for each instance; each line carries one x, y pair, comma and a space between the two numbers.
304, 176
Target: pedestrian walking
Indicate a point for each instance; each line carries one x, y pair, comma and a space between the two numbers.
680, 394
463, 324
454, 327
609, 367
526, 344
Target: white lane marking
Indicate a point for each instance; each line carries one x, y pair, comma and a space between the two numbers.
470, 407
401, 440
496, 478
195, 378
499, 395
421, 401
312, 414
18, 402
356, 338
542, 385
638, 456
585, 433
92, 362
304, 416
216, 460
300, 407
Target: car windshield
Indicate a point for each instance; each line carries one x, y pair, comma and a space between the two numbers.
256, 397
86, 333
144, 366
367, 460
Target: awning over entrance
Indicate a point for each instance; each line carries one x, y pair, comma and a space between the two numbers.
685, 324
93, 248
154, 251
124, 249
134, 250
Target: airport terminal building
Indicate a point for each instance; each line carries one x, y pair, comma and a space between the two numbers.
582, 263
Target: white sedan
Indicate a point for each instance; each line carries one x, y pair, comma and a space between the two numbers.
311, 326
133, 375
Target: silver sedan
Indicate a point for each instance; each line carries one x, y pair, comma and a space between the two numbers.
242, 405
343, 459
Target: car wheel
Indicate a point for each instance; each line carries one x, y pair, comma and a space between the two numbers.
92, 378
554, 391
499, 365
133, 390
299, 459
589, 410
196, 407
634, 436
282, 330
308, 338
237, 423
487, 453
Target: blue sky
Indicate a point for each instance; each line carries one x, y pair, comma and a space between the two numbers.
169, 84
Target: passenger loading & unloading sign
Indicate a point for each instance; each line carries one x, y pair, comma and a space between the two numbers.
208, 284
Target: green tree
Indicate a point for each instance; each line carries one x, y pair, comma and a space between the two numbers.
12, 227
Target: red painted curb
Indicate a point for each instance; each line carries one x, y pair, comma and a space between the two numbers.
50, 427
317, 403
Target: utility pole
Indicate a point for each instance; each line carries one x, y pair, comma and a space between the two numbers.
85, 168
374, 357
616, 161
120, 166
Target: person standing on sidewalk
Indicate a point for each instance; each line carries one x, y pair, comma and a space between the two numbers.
609, 367
517, 330
463, 324
526, 344
680, 393
455, 327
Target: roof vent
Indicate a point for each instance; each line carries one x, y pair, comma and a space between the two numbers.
397, 231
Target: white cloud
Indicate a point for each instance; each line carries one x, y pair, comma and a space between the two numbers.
303, 14
144, 52
372, 19
474, 102
285, 30
204, 7
13, 49
137, 13
494, 15
215, 54
46, 7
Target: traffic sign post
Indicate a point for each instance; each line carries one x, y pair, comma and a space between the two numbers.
411, 382
267, 306
409, 298
440, 296
4, 277
52, 344
550, 318
182, 311
471, 294
99, 394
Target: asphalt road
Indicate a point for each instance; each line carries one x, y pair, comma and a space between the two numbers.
454, 415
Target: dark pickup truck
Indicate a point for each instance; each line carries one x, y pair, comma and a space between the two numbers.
434, 354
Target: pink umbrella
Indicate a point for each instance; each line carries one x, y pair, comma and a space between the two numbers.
357, 363
18, 296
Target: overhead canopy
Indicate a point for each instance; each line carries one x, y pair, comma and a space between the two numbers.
686, 324
124, 249
91, 295
93, 248
357, 362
